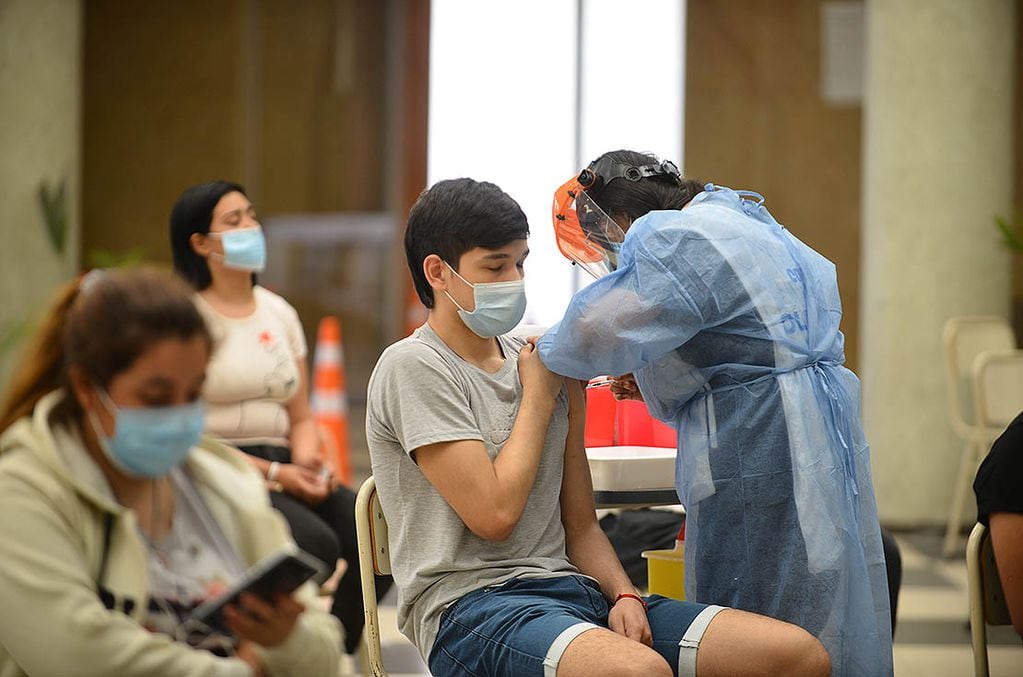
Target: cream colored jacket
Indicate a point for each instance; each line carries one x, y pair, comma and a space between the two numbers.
53, 503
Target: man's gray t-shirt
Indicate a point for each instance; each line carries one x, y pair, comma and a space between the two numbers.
422, 393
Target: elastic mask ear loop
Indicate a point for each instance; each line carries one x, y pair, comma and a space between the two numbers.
211, 235
219, 235
97, 429
108, 403
471, 286
111, 408
220, 256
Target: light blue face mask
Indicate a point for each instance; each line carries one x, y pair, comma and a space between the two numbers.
149, 441
499, 306
244, 249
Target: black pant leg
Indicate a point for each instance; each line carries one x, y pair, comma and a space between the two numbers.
893, 566
308, 529
338, 510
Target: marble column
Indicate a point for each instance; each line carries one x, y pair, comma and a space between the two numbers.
40, 143
938, 166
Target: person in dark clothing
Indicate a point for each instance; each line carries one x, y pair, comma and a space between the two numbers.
999, 490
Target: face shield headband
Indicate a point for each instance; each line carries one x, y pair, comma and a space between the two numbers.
601, 172
585, 233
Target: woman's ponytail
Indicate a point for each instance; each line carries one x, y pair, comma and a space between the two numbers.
42, 367
100, 326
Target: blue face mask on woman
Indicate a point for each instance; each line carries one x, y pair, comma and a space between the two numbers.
499, 306
149, 441
244, 249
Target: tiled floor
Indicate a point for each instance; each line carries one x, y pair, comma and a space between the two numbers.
932, 636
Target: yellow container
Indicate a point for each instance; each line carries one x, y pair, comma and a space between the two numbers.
666, 571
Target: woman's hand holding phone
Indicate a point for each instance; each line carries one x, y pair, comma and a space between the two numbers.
265, 623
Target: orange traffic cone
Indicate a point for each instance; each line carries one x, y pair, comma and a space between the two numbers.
330, 399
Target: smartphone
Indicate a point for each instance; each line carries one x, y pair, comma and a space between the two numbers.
281, 572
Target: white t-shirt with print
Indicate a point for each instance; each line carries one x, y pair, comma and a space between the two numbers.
253, 373
195, 562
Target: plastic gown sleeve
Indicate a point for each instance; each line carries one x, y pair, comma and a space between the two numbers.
625, 321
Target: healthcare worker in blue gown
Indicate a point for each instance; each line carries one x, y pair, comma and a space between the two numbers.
729, 326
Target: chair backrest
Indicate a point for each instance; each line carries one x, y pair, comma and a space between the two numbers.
374, 557
966, 337
987, 600
997, 389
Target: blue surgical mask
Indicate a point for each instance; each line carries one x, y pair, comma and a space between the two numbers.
244, 249
149, 441
499, 306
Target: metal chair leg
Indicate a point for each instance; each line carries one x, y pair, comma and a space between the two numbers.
960, 492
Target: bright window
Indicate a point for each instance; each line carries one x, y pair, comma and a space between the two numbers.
509, 103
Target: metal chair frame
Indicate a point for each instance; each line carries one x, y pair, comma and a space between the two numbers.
965, 339
374, 558
987, 600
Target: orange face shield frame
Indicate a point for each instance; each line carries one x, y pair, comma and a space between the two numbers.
593, 248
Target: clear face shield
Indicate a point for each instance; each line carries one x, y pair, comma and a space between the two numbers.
585, 233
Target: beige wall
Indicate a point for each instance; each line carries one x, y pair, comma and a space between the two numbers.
755, 119
40, 47
287, 98
938, 149
161, 110
284, 97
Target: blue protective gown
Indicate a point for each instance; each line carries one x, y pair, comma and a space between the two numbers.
730, 326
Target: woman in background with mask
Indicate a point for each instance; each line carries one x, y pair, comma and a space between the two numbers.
118, 521
256, 391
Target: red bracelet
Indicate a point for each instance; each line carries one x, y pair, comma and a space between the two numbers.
632, 596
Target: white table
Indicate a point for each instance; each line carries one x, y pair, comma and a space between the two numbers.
632, 477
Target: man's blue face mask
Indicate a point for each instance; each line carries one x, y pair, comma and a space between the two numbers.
499, 306
149, 441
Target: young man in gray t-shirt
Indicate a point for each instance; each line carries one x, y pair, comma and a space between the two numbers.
478, 455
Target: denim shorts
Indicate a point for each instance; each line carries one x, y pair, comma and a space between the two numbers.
522, 627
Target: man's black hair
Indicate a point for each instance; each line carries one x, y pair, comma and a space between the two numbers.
456, 216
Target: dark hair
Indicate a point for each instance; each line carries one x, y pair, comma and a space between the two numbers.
636, 198
101, 329
193, 213
455, 216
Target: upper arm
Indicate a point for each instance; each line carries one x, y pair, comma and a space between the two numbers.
419, 403
1007, 542
577, 509
293, 331
463, 474
298, 406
